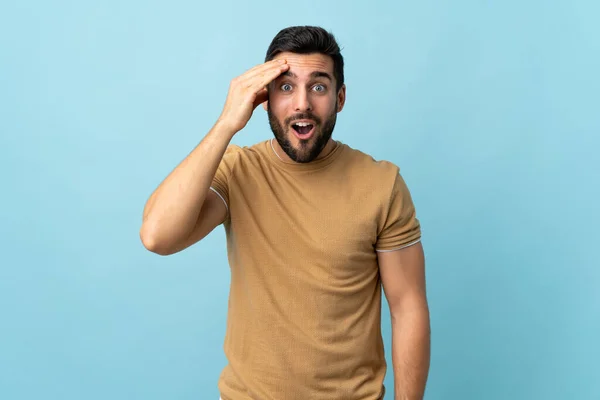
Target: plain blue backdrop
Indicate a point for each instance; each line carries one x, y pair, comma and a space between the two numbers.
490, 108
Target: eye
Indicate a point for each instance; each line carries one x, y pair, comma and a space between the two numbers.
286, 87
319, 88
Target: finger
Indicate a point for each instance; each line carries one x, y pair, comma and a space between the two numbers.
254, 81
262, 80
261, 68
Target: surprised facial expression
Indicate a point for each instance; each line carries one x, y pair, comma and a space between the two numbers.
303, 105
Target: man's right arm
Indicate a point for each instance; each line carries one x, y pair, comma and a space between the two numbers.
183, 206
183, 209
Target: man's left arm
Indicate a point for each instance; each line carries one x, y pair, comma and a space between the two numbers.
403, 279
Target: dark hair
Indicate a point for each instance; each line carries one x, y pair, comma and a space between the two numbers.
307, 40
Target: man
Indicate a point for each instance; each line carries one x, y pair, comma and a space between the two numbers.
314, 230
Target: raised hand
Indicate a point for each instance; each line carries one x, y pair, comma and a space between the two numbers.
247, 91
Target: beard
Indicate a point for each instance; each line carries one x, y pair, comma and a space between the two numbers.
309, 149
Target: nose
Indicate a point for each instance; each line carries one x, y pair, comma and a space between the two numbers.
302, 101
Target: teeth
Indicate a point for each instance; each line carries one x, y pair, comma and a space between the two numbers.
302, 124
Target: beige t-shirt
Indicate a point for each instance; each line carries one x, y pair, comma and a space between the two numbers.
305, 300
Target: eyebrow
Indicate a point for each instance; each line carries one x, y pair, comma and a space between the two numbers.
316, 74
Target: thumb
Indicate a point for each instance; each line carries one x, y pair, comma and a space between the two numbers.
261, 97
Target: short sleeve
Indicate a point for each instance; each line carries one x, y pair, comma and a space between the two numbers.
401, 228
221, 181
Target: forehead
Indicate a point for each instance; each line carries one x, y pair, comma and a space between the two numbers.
305, 64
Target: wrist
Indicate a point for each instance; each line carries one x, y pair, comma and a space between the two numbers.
223, 128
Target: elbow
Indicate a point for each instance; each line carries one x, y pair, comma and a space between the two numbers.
152, 242
413, 308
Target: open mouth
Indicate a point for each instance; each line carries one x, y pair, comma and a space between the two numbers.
303, 130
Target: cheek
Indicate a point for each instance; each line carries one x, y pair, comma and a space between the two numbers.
279, 102
276, 103
325, 106
278, 110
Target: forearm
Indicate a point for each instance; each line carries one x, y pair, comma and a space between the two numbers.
171, 212
411, 352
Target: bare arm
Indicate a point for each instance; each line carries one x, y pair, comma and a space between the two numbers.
403, 279
173, 210
182, 210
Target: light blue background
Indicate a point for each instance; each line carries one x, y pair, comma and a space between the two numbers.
491, 109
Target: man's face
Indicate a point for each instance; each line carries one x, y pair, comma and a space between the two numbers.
303, 105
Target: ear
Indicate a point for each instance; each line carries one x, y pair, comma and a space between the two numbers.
341, 98
266, 105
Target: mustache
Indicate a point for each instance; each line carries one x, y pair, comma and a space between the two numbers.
301, 116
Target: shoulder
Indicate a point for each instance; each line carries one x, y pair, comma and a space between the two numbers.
363, 165
243, 160
379, 181
235, 153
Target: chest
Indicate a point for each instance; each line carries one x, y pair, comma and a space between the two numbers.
331, 225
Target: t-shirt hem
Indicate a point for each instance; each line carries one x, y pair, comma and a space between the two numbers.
385, 250
220, 196
223, 199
